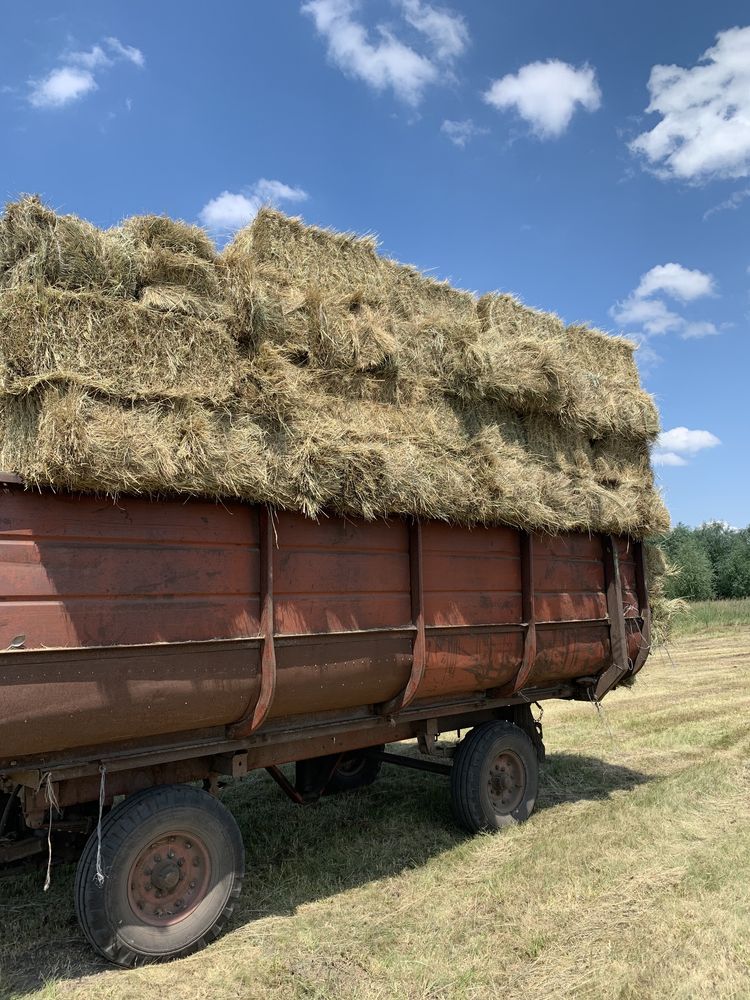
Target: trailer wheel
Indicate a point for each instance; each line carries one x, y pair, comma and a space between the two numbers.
495, 777
173, 864
356, 770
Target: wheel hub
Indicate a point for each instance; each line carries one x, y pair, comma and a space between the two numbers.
168, 879
505, 782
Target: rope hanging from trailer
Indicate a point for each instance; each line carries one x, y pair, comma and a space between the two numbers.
99, 875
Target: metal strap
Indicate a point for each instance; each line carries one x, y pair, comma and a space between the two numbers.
615, 612
252, 721
419, 648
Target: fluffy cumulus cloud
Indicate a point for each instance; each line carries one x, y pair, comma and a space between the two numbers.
677, 281
76, 76
546, 95
61, 86
642, 309
704, 126
232, 210
381, 58
679, 445
461, 132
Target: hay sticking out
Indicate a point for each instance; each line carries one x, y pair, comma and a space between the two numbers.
302, 369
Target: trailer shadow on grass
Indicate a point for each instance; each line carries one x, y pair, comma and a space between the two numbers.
295, 855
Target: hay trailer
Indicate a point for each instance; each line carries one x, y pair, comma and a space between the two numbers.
150, 646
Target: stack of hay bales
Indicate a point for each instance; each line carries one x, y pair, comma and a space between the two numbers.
302, 369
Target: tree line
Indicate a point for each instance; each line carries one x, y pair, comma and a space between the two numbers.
712, 561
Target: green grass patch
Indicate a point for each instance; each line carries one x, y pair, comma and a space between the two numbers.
714, 616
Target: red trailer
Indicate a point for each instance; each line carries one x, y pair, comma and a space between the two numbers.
150, 645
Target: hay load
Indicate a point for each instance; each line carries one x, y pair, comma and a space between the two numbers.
300, 368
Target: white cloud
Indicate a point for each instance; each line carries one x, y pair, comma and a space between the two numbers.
652, 315
667, 458
230, 210
730, 204
446, 32
546, 94
384, 61
460, 133
93, 59
75, 77
675, 280
675, 447
128, 52
686, 442
704, 131
61, 87
701, 328
277, 191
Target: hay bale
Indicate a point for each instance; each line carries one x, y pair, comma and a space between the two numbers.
162, 233
111, 346
343, 263
39, 247
300, 368
178, 299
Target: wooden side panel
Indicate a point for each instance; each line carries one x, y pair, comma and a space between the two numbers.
471, 576
569, 578
340, 575
79, 571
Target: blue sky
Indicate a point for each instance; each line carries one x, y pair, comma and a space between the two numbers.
503, 146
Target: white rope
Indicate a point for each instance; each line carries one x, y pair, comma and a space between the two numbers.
99, 876
49, 794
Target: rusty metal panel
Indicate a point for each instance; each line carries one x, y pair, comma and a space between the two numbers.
340, 575
77, 571
470, 661
471, 576
54, 700
328, 672
569, 578
567, 652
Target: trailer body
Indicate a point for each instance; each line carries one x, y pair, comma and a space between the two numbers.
148, 644
141, 621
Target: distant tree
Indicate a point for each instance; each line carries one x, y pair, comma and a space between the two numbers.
718, 540
712, 561
733, 572
694, 578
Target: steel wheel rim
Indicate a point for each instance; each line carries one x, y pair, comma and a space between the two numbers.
169, 878
506, 781
351, 766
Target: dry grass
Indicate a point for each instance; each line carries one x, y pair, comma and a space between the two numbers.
300, 367
630, 881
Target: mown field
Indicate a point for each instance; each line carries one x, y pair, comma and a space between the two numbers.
631, 880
